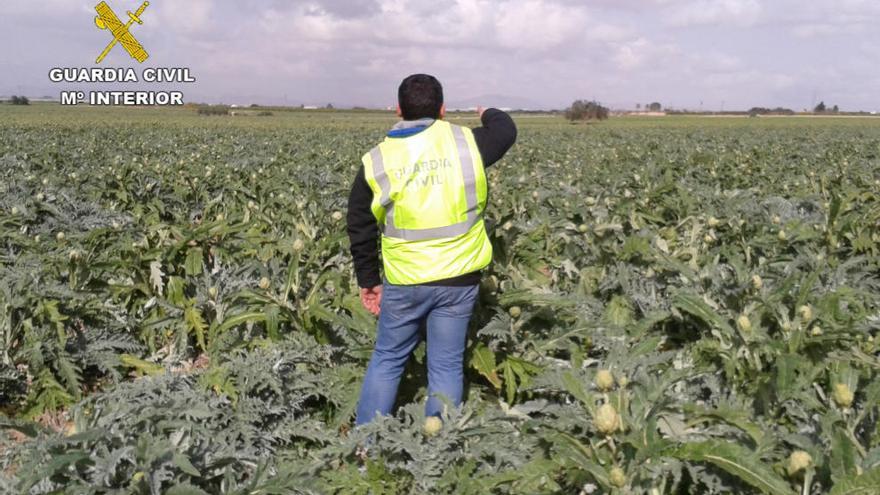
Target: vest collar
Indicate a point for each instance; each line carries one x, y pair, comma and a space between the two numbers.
406, 124
406, 128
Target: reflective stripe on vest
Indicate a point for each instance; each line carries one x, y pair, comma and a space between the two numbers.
470, 186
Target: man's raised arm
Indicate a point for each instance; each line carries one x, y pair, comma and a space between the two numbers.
496, 136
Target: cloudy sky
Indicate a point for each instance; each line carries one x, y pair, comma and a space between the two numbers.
537, 53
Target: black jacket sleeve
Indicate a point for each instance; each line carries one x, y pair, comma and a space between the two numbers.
496, 136
363, 232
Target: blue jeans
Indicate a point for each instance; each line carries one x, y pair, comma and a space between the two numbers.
447, 311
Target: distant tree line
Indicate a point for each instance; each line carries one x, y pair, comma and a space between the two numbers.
755, 111
821, 108
650, 107
213, 110
586, 110
19, 100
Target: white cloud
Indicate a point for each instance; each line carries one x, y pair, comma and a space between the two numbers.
748, 78
190, 18
641, 53
599, 31
539, 24
631, 55
25, 8
743, 52
714, 61
714, 12
813, 30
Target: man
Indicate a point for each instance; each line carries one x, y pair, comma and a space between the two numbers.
424, 188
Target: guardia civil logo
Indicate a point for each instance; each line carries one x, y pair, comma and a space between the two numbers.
107, 20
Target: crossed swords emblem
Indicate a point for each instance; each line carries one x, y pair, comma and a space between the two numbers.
106, 19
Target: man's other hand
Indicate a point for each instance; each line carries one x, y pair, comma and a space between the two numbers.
371, 298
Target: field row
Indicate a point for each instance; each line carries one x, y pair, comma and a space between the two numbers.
675, 306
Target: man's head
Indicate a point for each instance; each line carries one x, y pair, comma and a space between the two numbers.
420, 96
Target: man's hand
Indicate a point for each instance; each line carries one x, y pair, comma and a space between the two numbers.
371, 298
480, 111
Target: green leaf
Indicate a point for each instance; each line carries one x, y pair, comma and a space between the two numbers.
176, 294
619, 311
635, 246
58, 463
872, 392
864, 484
534, 298
483, 361
50, 312
27, 428
536, 476
786, 368
70, 373
183, 462
509, 380
46, 394
219, 379
240, 319
185, 489
736, 417
806, 288
737, 461
843, 454
524, 369
517, 370
193, 264
694, 305
143, 367
272, 312
196, 324
575, 387
574, 453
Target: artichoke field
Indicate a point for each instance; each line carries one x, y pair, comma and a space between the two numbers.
679, 306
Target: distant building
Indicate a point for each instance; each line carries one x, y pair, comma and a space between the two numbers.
646, 114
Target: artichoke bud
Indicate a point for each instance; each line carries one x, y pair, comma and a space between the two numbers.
432, 426
798, 461
757, 283
606, 420
744, 324
617, 477
843, 395
806, 312
604, 380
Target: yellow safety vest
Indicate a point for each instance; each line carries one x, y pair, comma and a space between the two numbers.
429, 195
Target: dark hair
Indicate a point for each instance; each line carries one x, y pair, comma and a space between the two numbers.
420, 96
